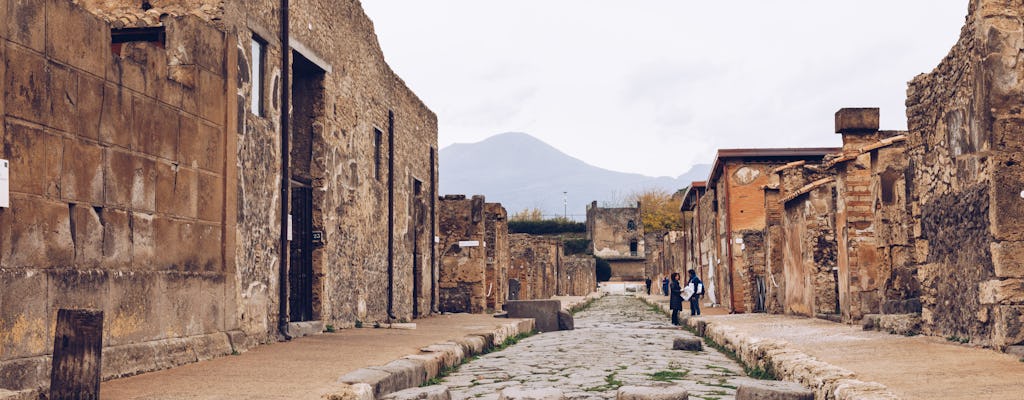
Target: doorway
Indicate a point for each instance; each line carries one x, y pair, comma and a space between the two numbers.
307, 95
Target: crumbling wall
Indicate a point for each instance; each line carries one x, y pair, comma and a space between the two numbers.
890, 197
654, 246
611, 230
708, 245
810, 249
498, 256
579, 276
964, 146
743, 183
118, 172
536, 265
463, 267
774, 243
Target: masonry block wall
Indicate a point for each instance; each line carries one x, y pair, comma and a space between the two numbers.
654, 247
965, 148
536, 266
617, 235
708, 244
118, 186
498, 256
463, 277
578, 276
809, 237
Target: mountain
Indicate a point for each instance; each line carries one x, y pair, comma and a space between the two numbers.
522, 172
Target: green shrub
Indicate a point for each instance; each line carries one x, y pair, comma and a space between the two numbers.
546, 227
576, 246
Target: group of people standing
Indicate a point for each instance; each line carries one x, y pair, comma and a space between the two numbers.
692, 292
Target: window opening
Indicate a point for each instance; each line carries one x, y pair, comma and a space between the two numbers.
633, 248
119, 37
377, 139
259, 51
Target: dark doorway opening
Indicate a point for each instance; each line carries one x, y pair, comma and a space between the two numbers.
417, 229
307, 107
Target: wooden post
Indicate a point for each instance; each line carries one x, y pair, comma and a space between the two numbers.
77, 350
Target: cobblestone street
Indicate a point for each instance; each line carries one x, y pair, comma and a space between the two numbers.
619, 340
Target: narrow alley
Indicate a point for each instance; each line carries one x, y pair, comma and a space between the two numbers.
618, 341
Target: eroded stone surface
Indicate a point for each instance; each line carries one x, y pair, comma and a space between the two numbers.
618, 342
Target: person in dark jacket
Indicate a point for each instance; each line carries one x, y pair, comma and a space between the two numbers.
675, 299
647, 281
664, 286
698, 291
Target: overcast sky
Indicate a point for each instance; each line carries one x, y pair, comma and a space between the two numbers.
654, 86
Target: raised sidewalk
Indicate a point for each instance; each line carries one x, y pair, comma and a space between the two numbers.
842, 361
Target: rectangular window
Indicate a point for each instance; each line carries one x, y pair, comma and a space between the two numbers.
377, 139
259, 51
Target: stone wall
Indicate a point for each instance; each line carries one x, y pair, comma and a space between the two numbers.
498, 256
578, 276
809, 242
118, 172
145, 184
463, 278
964, 146
654, 262
708, 243
536, 261
612, 231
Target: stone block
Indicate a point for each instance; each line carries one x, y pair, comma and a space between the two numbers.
773, 390
144, 241
76, 37
27, 85
666, 391
89, 106
404, 374
26, 23
519, 393
375, 378
155, 128
212, 97
433, 363
62, 112
117, 239
304, 328
176, 190
116, 117
210, 194
82, 172
1004, 291
188, 314
1007, 208
132, 311
451, 353
35, 160
344, 391
472, 345
23, 317
565, 321
543, 312
434, 392
194, 41
40, 235
687, 343
1008, 259
23, 375
207, 347
87, 232
208, 248
857, 120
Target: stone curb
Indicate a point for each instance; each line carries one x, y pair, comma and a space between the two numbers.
828, 382
413, 370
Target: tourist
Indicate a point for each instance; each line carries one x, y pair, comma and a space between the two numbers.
647, 282
675, 298
664, 286
698, 290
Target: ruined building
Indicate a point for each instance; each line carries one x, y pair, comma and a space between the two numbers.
732, 221
475, 255
617, 235
154, 176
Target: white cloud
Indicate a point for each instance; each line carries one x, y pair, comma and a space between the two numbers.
653, 86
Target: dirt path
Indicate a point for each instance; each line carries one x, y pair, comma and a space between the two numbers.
299, 369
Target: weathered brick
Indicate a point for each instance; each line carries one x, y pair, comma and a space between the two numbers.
89, 107
25, 326
176, 190
1007, 214
117, 238
212, 98
131, 316
1002, 291
82, 172
27, 85
76, 37
87, 232
144, 241
208, 247
36, 158
155, 128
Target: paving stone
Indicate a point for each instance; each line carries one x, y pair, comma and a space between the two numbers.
565, 321
658, 392
518, 393
687, 343
433, 392
773, 390
617, 342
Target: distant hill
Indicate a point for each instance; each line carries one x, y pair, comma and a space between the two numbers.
522, 172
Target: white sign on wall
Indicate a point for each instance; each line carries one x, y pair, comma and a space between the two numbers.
5, 184
469, 243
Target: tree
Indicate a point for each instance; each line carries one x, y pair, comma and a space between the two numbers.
659, 210
527, 214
